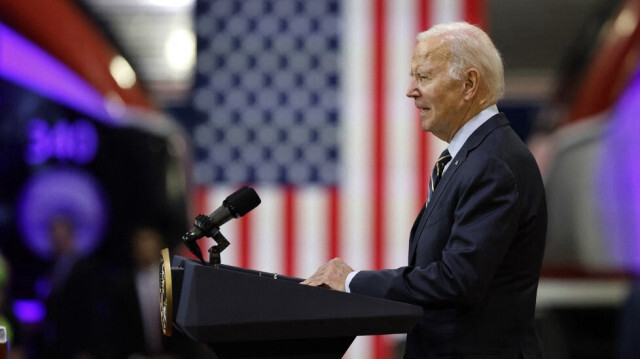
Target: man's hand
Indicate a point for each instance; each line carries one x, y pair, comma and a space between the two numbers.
332, 274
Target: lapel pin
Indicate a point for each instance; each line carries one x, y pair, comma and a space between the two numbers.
456, 163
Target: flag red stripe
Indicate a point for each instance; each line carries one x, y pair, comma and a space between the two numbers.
333, 215
474, 13
379, 113
245, 233
424, 12
199, 200
289, 227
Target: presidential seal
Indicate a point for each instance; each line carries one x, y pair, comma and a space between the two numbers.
166, 293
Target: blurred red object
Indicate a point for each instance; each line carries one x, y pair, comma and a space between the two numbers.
613, 62
63, 30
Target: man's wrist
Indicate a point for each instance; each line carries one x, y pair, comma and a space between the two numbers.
347, 281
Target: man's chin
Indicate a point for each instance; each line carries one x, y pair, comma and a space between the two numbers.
425, 123
427, 126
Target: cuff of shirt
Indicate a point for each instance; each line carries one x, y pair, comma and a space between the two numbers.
347, 281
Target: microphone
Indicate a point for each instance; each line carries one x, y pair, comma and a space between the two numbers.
235, 205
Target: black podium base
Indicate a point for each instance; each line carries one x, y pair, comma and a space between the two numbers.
326, 348
246, 314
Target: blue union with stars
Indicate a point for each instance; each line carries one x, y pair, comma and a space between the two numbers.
267, 92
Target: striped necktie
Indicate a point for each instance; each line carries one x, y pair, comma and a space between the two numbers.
442, 161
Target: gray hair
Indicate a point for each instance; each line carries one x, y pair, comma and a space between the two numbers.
469, 47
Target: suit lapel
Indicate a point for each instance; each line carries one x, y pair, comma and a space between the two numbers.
426, 212
412, 236
474, 141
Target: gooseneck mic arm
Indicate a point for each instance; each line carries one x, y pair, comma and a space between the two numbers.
236, 205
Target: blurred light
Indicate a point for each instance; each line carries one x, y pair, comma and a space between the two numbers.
619, 178
29, 311
122, 72
66, 141
25, 64
625, 23
115, 105
61, 191
180, 50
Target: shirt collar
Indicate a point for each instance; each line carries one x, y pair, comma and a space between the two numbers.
469, 128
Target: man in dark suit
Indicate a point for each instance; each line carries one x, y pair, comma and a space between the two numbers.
136, 330
476, 248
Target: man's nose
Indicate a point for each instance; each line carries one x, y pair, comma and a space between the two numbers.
412, 91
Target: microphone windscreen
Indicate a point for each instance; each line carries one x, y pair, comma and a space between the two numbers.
242, 201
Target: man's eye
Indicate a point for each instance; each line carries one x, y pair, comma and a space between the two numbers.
420, 77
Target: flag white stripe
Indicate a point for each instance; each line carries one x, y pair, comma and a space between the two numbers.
400, 139
355, 201
356, 120
401, 128
267, 242
446, 11
311, 231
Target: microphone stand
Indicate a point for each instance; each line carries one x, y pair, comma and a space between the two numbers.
209, 229
214, 251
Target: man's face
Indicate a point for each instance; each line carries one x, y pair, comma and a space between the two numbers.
439, 96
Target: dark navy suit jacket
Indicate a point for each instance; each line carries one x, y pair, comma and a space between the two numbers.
474, 254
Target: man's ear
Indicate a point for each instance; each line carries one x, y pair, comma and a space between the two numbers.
471, 83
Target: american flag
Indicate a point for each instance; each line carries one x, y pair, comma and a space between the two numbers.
305, 101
